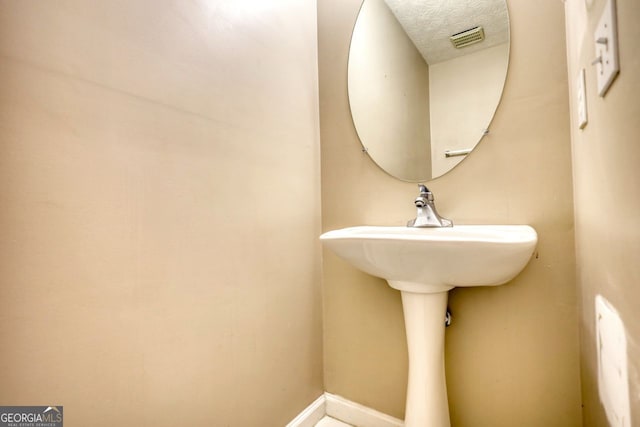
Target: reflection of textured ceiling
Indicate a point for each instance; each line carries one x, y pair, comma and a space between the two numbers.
430, 23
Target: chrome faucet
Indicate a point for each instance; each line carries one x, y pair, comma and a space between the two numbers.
427, 215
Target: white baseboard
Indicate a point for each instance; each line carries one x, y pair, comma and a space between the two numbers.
356, 414
344, 410
310, 416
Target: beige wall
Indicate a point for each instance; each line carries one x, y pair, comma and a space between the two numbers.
388, 87
512, 352
606, 155
159, 163
464, 93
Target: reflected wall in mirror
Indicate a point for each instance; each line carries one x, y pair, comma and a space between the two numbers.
413, 95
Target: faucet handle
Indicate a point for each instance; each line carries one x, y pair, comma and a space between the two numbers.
425, 194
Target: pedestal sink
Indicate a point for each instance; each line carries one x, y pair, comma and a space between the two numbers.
424, 264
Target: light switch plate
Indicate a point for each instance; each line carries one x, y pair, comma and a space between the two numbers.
581, 99
606, 41
613, 379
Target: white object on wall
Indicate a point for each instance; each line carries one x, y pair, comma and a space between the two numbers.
613, 380
606, 41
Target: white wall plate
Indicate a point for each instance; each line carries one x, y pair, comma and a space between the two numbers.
606, 41
581, 99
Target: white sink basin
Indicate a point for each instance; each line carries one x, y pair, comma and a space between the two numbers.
428, 260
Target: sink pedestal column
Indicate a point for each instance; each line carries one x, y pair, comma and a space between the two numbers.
424, 316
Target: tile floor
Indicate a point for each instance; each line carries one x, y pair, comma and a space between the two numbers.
331, 422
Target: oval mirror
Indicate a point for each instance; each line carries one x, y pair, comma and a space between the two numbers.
425, 78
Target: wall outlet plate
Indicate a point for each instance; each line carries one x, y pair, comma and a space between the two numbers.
606, 41
581, 99
613, 379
